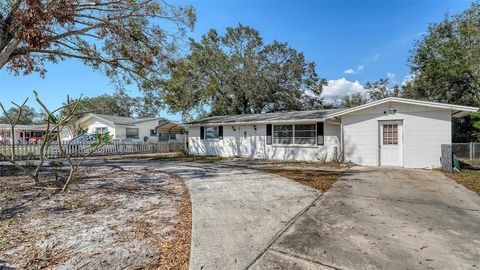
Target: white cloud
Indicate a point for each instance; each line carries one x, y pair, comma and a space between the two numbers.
341, 87
376, 57
353, 71
407, 79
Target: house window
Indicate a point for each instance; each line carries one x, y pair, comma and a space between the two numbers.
305, 134
101, 130
153, 132
390, 134
131, 133
283, 134
163, 137
294, 134
211, 132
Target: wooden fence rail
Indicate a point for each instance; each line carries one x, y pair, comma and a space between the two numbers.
32, 151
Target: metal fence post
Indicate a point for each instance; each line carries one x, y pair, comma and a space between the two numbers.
473, 150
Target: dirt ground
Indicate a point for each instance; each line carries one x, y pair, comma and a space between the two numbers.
317, 179
110, 218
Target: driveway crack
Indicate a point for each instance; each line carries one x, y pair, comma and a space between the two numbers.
286, 254
287, 225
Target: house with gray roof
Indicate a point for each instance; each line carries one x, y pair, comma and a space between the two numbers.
388, 132
122, 128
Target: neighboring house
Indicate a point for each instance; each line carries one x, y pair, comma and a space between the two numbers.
23, 133
170, 131
122, 128
392, 131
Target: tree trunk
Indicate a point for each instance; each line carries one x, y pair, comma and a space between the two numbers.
7, 51
70, 177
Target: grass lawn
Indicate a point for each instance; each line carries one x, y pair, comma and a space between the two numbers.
180, 156
468, 178
317, 179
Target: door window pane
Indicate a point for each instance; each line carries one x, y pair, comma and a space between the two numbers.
390, 133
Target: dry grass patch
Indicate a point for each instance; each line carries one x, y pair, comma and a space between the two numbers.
317, 179
111, 218
305, 164
467, 178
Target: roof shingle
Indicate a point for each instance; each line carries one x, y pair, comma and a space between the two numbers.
266, 117
120, 120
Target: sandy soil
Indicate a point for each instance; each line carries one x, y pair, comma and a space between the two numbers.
111, 218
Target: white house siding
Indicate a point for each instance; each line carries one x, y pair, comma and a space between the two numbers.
424, 130
93, 123
253, 145
118, 132
144, 130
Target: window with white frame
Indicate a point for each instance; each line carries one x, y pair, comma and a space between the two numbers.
283, 134
101, 130
211, 133
305, 134
295, 134
390, 134
131, 133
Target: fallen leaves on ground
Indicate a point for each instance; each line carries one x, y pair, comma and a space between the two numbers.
317, 179
111, 218
469, 179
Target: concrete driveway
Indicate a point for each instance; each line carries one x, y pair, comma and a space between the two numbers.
377, 218
236, 212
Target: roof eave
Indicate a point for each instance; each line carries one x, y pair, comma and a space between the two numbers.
286, 121
452, 107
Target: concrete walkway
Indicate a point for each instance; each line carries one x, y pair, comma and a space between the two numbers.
236, 212
376, 218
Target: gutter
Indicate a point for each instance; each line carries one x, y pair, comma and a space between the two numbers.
301, 121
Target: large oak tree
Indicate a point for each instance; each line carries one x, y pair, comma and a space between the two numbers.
237, 73
128, 40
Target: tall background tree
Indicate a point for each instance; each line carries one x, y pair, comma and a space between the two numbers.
445, 65
238, 73
29, 116
128, 40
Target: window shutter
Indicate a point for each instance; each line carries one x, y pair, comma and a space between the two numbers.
202, 133
320, 133
220, 132
269, 133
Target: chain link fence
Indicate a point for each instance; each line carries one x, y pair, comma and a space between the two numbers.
466, 150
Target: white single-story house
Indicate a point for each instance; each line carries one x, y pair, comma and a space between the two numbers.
388, 132
23, 133
122, 128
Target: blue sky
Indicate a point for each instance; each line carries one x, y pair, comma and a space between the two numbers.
351, 42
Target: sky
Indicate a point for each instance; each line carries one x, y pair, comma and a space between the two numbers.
351, 42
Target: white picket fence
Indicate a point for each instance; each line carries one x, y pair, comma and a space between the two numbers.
32, 151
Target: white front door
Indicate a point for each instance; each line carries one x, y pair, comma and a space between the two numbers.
391, 143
